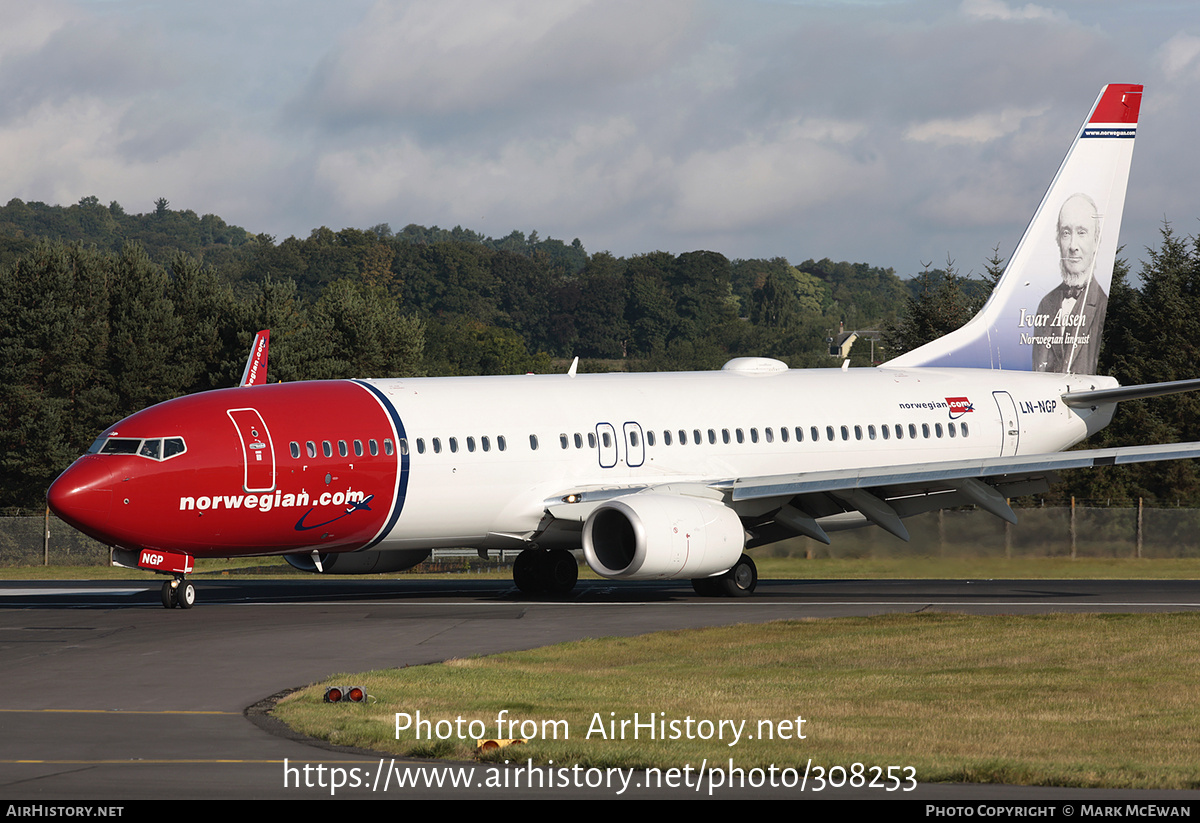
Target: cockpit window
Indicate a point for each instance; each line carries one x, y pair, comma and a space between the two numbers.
121, 445
155, 448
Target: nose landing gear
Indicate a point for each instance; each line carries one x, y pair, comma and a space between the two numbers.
178, 593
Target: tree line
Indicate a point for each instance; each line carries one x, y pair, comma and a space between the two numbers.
108, 312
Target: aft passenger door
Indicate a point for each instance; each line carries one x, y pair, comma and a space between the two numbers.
1011, 430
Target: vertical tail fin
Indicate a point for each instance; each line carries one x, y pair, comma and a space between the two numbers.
1047, 312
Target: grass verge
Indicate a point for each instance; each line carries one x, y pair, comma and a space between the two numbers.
904, 568
1065, 700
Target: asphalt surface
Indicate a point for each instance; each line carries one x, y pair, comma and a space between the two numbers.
108, 696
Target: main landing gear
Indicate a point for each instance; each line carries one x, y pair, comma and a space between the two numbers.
545, 571
178, 593
740, 581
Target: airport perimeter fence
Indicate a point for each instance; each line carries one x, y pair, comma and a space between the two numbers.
1061, 530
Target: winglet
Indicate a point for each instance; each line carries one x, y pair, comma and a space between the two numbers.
255, 373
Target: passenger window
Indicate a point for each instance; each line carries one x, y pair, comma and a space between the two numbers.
327, 448
453, 445
633, 439
725, 436
951, 428
912, 430
562, 438
606, 439
649, 437
770, 435
871, 432
578, 440
964, 430
402, 442
486, 443
696, 437
815, 432
373, 447
294, 448
591, 440
899, 432
533, 442
887, 433
666, 437
857, 433
343, 449
470, 444
358, 449
387, 446
925, 430
420, 445
311, 448
501, 443
783, 433
437, 445
846, 433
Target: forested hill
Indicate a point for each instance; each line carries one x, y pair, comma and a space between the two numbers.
541, 295
106, 312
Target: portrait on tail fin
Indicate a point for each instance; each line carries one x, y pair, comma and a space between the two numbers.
1070, 318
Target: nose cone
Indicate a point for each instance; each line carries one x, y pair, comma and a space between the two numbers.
82, 495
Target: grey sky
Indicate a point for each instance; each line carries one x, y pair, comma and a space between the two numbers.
889, 132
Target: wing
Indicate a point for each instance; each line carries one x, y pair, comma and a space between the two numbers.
885, 495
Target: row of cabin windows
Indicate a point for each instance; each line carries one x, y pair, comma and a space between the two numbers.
682, 436
343, 448
870, 432
484, 443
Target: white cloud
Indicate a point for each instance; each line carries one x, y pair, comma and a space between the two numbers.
461, 56
999, 10
978, 128
1179, 54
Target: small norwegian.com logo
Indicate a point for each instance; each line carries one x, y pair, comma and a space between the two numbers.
959, 406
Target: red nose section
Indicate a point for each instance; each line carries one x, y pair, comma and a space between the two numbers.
82, 495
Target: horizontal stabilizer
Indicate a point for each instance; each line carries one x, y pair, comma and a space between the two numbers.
1100, 397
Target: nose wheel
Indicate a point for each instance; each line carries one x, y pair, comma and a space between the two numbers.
178, 593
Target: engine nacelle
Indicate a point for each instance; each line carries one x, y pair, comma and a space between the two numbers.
652, 536
376, 562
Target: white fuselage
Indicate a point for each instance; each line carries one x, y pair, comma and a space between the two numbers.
565, 433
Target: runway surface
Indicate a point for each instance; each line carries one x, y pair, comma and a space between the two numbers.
109, 696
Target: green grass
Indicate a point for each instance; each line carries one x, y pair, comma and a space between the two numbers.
900, 568
1067, 700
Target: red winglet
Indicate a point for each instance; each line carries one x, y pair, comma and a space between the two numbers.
256, 364
1119, 104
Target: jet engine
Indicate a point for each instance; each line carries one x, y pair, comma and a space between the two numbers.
651, 536
358, 562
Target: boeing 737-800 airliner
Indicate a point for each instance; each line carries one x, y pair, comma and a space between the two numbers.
654, 476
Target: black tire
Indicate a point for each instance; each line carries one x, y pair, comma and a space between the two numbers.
168, 595
707, 586
527, 572
185, 595
741, 580
560, 571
